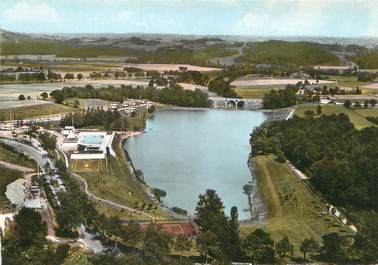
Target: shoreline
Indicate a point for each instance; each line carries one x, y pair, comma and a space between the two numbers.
256, 206
124, 137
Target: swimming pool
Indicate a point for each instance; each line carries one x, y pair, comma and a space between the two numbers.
92, 139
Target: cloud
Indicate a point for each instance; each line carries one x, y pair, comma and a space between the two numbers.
32, 12
274, 18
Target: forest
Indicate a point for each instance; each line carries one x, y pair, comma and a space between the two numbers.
340, 160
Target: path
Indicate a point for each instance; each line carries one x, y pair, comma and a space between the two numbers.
105, 201
16, 167
276, 206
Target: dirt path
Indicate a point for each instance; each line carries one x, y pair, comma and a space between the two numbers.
15, 167
276, 209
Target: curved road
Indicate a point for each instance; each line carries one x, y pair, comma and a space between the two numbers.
104, 201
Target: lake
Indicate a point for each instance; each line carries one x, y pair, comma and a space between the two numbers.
185, 152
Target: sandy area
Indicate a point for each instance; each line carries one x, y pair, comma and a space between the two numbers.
274, 82
192, 87
167, 67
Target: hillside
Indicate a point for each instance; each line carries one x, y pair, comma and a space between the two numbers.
367, 61
293, 53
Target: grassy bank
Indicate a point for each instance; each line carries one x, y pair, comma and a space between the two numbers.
293, 210
33, 111
355, 116
7, 154
119, 185
7, 176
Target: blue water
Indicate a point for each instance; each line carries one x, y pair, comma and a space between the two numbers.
92, 139
185, 152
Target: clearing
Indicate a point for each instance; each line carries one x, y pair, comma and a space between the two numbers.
354, 116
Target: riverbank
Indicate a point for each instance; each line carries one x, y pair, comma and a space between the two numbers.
291, 209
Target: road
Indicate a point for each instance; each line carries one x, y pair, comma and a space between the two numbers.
37, 155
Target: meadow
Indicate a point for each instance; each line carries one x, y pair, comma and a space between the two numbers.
293, 210
355, 116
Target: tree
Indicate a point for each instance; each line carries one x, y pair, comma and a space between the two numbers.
131, 234
30, 226
156, 243
182, 243
309, 246
347, 104
60, 254
210, 217
336, 248
159, 194
21, 97
58, 96
373, 102
235, 251
208, 245
258, 246
319, 109
44, 95
357, 105
69, 76
79, 76
283, 247
366, 104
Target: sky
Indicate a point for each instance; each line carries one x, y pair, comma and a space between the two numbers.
331, 18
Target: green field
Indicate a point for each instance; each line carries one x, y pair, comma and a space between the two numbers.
355, 117
292, 53
7, 176
253, 92
293, 210
16, 158
368, 112
350, 81
33, 111
367, 61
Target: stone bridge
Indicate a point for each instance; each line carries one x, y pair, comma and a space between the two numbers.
236, 103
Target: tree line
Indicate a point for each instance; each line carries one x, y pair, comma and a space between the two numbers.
173, 95
281, 98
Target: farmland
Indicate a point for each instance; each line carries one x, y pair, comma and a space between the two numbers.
21, 113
